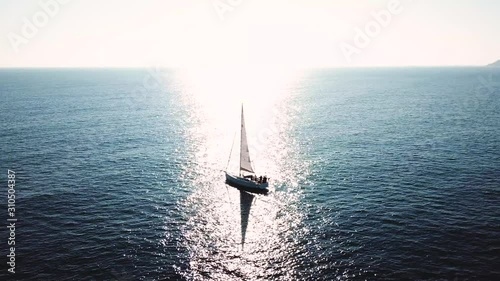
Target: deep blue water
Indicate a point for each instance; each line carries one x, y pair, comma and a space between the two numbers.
377, 174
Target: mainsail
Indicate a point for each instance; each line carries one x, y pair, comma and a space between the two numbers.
245, 163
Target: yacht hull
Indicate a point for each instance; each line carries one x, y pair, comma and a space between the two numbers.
246, 184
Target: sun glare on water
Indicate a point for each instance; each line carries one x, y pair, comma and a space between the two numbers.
231, 233
215, 97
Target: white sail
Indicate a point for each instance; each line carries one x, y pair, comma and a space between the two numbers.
245, 163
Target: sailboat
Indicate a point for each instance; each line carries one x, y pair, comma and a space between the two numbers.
247, 179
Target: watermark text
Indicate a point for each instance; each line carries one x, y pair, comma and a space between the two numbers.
11, 220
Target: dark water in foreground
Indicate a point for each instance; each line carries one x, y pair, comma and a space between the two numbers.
378, 174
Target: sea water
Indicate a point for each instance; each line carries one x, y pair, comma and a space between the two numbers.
376, 173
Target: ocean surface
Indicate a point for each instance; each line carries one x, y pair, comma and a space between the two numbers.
376, 174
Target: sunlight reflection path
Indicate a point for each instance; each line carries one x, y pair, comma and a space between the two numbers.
231, 234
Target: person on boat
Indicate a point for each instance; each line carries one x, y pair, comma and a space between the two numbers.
264, 179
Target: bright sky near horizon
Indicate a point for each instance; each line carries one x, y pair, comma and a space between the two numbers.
290, 33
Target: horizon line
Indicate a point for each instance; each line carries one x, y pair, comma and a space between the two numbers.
188, 67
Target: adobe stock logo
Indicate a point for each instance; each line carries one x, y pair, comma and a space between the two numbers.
363, 37
224, 6
40, 19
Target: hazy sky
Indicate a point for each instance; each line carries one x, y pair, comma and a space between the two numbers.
295, 33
